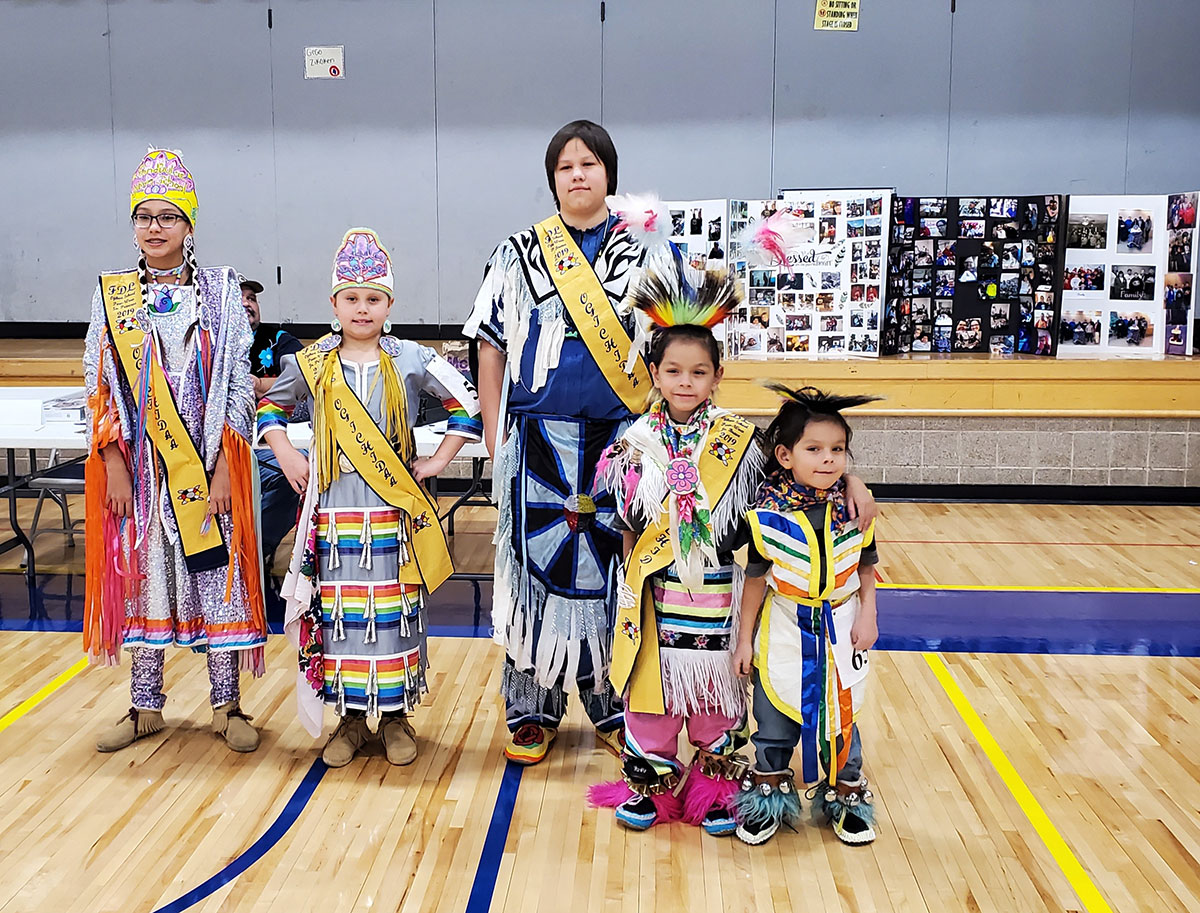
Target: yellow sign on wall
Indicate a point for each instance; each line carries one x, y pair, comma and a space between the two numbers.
836, 16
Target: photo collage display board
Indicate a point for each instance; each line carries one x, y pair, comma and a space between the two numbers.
1183, 328
974, 274
1118, 258
831, 300
700, 229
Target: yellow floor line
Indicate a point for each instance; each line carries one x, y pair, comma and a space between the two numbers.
1093, 901
41, 694
1001, 588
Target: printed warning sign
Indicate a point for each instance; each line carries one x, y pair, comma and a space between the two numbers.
836, 16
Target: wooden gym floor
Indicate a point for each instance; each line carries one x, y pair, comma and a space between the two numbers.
1023, 758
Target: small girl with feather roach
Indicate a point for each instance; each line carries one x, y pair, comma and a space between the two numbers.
683, 476
806, 648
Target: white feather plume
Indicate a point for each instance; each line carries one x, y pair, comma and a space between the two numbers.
644, 215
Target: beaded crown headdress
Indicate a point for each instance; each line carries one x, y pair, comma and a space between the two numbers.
163, 176
362, 262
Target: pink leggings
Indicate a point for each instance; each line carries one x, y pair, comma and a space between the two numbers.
655, 736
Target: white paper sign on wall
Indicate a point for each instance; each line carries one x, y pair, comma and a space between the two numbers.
325, 62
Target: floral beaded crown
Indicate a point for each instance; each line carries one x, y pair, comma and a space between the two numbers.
362, 262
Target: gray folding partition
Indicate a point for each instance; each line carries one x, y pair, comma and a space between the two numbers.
436, 134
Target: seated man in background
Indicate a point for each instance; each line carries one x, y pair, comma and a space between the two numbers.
270, 343
279, 503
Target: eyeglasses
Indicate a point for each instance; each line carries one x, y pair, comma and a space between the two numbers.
166, 220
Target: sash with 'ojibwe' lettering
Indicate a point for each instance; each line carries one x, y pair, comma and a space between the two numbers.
635, 659
593, 314
187, 482
373, 457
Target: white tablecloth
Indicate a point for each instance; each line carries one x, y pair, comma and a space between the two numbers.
70, 436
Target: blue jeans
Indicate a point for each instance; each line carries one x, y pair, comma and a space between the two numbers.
280, 504
778, 735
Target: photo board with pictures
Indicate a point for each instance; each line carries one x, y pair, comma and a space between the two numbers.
1121, 259
830, 301
700, 229
974, 274
1179, 309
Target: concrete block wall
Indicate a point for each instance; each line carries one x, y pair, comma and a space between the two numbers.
1000, 451
1013, 451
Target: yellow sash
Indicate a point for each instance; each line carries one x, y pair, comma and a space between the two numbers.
593, 314
635, 659
373, 458
187, 481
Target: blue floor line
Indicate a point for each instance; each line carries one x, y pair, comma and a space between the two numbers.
1088, 623
486, 872
493, 845
279, 827
1044, 645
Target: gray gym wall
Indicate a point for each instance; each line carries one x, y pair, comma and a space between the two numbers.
436, 135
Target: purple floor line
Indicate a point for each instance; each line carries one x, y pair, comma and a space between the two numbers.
974, 621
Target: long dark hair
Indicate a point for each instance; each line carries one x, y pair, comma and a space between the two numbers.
597, 140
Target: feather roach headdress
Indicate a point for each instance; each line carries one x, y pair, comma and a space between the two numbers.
668, 300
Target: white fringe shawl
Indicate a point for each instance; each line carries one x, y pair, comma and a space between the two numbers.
643, 446
650, 488
505, 286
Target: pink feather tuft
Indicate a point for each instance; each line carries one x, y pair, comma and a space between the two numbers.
632, 477
608, 795
670, 807
771, 243
602, 465
701, 794
645, 216
766, 242
612, 794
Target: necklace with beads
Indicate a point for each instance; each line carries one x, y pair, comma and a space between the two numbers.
175, 271
165, 300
